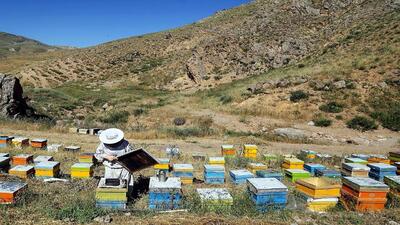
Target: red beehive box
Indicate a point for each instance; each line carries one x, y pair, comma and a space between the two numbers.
22, 159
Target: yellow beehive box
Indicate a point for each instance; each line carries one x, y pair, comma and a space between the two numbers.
318, 187
216, 161
254, 167
163, 165
22, 171
322, 205
293, 161
20, 142
289, 166
186, 180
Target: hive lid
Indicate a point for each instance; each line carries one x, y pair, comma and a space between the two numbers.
183, 167
227, 146
382, 167
363, 183
320, 155
4, 155
250, 146
378, 156
296, 171
356, 160
4, 160
318, 183
72, 147
39, 140
314, 165
293, 161
82, 165
216, 159
22, 168
20, 139
102, 185
241, 173
11, 187
47, 165
137, 160
360, 156
214, 167
307, 151
43, 158
260, 185
394, 179
256, 165
207, 194
163, 160
23, 156
172, 183
355, 167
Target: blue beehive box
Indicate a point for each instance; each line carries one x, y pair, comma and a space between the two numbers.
267, 193
360, 156
270, 173
165, 195
240, 176
380, 170
327, 173
4, 141
214, 174
311, 167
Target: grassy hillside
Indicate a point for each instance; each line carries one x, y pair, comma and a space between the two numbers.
11, 44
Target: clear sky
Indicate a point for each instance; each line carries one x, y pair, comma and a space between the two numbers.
82, 23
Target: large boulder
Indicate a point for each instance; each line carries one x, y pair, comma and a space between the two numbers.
12, 103
291, 133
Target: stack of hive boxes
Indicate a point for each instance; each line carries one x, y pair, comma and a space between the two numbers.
378, 159
393, 182
228, 151
86, 158
364, 194
394, 157
10, 191
163, 164
355, 170
216, 161
292, 163
20, 142
356, 160
212, 198
165, 195
22, 171
270, 173
185, 172
320, 194
308, 154
250, 151
22, 159
295, 174
43, 158
380, 170
267, 193
111, 196
214, 174
327, 173
4, 164
312, 167
240, 176
254, 167
47, 169
39, 143
82, 170
5, 141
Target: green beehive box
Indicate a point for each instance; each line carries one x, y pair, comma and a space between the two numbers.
295, 174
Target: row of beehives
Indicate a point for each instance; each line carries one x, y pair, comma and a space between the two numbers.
37, 143
91, 131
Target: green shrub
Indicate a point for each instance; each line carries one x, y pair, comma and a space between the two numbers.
297, 96
361, 123
139, 111
390, 119
339, 117
332, 107
322, 122
116, 117
225, 99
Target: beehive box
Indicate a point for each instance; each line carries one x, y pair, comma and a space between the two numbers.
4, 154
360, 156
393, 182
165, 195
54, 147
73, 130
163, 165
378, 159
308, 154
250, 151
292, 163
316, 187
327, 173
39, 143
22, 159
20, 142
5, 141
47, 169
211, 197
87, 158
254, 167
270, 157
22, 171
270, 173
43, 158
184, 172
10, 191
94, 131
72, 148
295, 174
199, 156
228, 150
214, 174
216, 161
356, 160
319, 204
240, 176
111, 197
4, 164
82, 170
312, 167
267, 192
394, 157
83, 131
355, 170
380, 170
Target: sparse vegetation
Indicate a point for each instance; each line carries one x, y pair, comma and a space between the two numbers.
115, 117
225, 99
332, 107
361, 123
297, 96
322, 122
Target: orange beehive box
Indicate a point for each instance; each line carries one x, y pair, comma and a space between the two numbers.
228, 150
22, 159
366, 204
9, 191
364, 194
39, 143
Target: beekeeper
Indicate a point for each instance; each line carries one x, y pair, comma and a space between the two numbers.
113, 145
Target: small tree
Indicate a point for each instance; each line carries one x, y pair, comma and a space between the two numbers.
361, 123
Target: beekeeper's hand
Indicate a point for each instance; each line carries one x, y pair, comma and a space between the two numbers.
110, 158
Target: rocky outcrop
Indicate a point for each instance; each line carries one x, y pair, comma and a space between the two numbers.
12, 102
